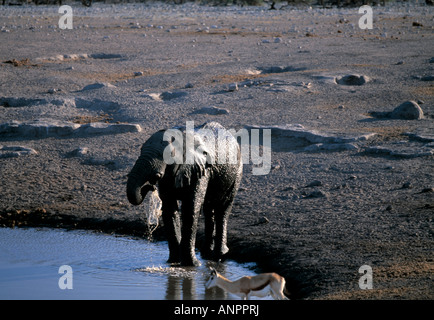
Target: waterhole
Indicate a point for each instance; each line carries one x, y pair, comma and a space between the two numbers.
103, 267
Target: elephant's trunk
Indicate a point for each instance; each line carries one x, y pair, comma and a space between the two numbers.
143, 178
134, 191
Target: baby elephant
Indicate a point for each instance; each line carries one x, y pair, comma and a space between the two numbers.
201, 167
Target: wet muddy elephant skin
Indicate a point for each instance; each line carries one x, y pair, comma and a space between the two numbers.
205, 179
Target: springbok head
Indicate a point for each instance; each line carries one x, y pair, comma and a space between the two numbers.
212, 281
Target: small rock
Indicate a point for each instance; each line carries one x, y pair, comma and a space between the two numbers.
330, 147
417, 24
189, 85
262, 220
79, 152
108, 128
427, 78
315, 183
138, 73
278, 40
212, 111
352, 80
98, 85
407, 185
233, 87
15, 151
168, 95
316, 194
426, 190
408, 110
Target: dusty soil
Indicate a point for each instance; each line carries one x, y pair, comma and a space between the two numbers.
327, 207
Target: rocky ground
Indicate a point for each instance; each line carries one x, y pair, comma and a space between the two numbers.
351, 179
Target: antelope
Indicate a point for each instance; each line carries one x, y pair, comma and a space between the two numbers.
261, 285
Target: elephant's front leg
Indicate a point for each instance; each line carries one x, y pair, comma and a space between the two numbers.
172, 228
190, 217
191, 207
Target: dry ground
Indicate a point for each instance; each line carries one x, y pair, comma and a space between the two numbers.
372, 204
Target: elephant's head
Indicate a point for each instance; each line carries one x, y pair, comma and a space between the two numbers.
166, 148
148, 169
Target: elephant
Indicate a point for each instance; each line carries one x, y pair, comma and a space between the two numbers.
203, 173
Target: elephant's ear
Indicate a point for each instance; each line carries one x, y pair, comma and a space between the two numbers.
197, 160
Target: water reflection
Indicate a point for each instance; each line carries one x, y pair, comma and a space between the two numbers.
104, 267
185, 288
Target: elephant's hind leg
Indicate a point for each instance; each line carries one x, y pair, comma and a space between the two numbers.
208, 245
222, 211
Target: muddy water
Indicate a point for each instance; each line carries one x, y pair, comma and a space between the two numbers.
101, 267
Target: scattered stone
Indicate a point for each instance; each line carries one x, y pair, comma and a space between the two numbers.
154, 96
262, 220
315, 183
233, 87
427, 78
212, 111
108, 128
331, 147
313, 136
189, 86
39, 128
138, 73
278, 40
56, 128
172, 95
417, 24
316, 194
325, 78
426, 190
14, 102
352, 80
281, 69
20, 63
408, 110
98, 85
407, 185
15, 151
79, 152
407, 150
422, 135
105, 56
